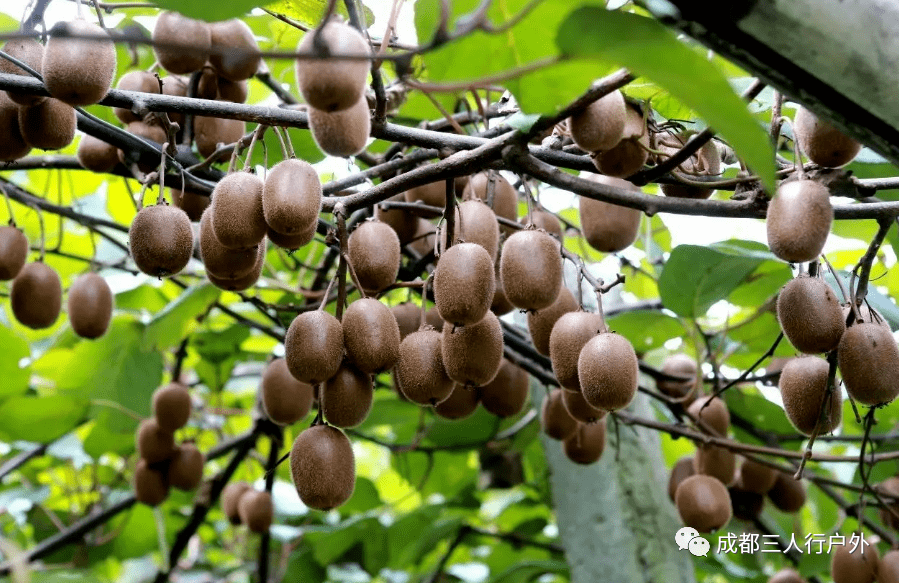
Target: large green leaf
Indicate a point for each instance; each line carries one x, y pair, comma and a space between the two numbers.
646, 329
41, 419
170, 325
210, 10
649, 49
15, 378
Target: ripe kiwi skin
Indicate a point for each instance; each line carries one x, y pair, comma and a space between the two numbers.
341, 133
578, 407
473, 354
755, 477
703, 503
460, 404
49, 125
505, 197
30, 52
408, 318
546, 221
554, 417
313, 346
173, 28
475, 223
13, 251
256, 510
404, 223
154, 444
209, 132
97, 155
171, 406
238, 56
79, 71
682, 470
150, 485
540, 324
230, 497
237, 216
531, 269
185, 471
284, 399
746, 505
798, 220
824, 144
609, 227
586, 444
431, 194
859, 566
810, 315
333, 84
786, 576
220, 260
420, 371
631, 153
90, 305
149, 132
293, 242
36, 296
889, 490
161, 240
803, 386
244, 282
715, 461
323, 467
371, 335
13, 146
464, 283
678, 365
374, 252
500, 304
715, 416
291, 197
507, 394
787, 494
869, 363
140, 81
424, 239
706, 162
607, 371
888, 568
600, 126
346, 397
569, 335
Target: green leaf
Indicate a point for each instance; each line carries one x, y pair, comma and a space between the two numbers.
209, 10
170, 325
530, 570
15, 378
41, 419
646, 329
311, 11
646, 47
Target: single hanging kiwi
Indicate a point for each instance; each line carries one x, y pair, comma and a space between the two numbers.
420, 371
192, 203
161, 240
313, 346
507, 394
431, 194
544, 220
607, 371
464, 284
374, 252
586, 444
475, 223
798, 220
461, 403
30, 52
824, 144
36, 296
150, 484
680, 365
631, 153
245, 281
683, 469
600, 126
869, 363
332, 84
284, 399
171, 406
505, 197
810, 315
236, 212
96, 155
209, 132
291, 197
555, 420
230, 497
174, 29
341, 133
154, 443
803, 387
703, 503
371, 335
78, 71
715, 461
404, 223
346, 397
706, 162
12, 146
716, 415
323, 467
755, 477
13, 251
140, 81
185, 471
579, 409
540, 324
531, 269
569, 335
90, 305
49, 125
293, 242
256, 510
609, 227
854, 566
408, 318
788, 493
236, 57
473, 354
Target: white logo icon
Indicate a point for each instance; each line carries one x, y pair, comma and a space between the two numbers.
699, 547
688, 539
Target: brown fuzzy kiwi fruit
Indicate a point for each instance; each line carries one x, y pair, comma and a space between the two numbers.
803, 388
578, 407
706, 162
371, 335
78, 71
408, 318
231, 495
746, 505
291, 197
540, 324
824, 144
36, 296
293, 242
161, 240
346, 397
570, 333
150, 485
341, 133
207, 85
313, 346
869, 363
420, 371
864, 313
712, 460
175, 29
433, 319
788, 493
888, 568
755, 477
631, 153
242, 282
237, 56
192, 203
600, 126
473, 354
715, 415
284, 399
140, 81
424, 239
544, 220
609, 227
431, 194
404, 223
475, 223
333, 84
13, 251
703, 503
256, 510
171, 406
12, 146
97, 155
786, 576
586, 444
233, 91
683, 469
154, 444
500, 304
531, 269
679, 365
557, 423
798, 220
149, 132
90, 305
854, 566
464, 283
461, 403
505, 197
185, 471
889, 491
323, 467
810, 315
209, 132
236, 212
507, 394
30, 52
374, 252
175, 86
49, 125
607, 371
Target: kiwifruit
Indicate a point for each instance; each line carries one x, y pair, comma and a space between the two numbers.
231, 495
171, 406
475, 223
706, 162
630, 154
313, 346
90, 305
680, 365
600, 125
755, 477
473, 354
865, 314
78, 71
154, 444
544, 220
293, 242
374, 252
716, 461
150, 485
433, 319
13, 251
30, 52
49, 125
746, 505
810, 315
888, 568
824, 144
291, 196
341, 133
323, 467
869, 363
97, 155
557, 423
346, 397
185, 471
174, 29
889, 491
858, 565
505, 197
507, 394
464, 284
420, 371
683, 469
798, 220
500, 304
408, 318
141, 81
243, 282
803, 388
161, 240
461, 403
569, 335
371, 335
192, 203
586, 444
284, 399
256, 510
788, 493
404, 223
236, 53
424, 239
209, 132
175, 86
36, 295
333, 84
208, 83
703, 503
578, 407
233, 91
607, 371
715, 415
531, 269
786, 576
12, 146
431, 194
540, 324
609, 227
236, 211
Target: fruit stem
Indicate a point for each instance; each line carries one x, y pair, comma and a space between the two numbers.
260, 131
864, 264
12, 218
340, 216
449, 213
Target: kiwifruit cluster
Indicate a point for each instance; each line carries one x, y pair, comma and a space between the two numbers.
600, 126
494, 190
291, 202
570, 333
461, 403
859, 565
284, 399
374, 252
90, 305
36, 295
629, 155
609, 227
244, 505
810, 315
161, 240
824, 144
530, 268
706, 162
323, 467
78, 71
586, 444
567, 417
798, 220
